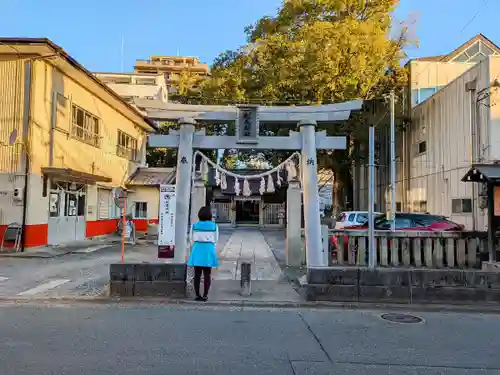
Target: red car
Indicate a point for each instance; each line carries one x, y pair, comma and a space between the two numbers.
407, 222
413, 221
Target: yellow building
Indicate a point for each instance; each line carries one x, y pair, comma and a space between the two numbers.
172, 67
66, 140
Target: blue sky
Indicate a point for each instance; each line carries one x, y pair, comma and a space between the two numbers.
91, 31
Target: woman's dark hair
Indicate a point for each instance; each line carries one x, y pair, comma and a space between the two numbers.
205, 214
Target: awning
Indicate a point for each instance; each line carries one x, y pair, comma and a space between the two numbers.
483, 173
152, 177
70, 175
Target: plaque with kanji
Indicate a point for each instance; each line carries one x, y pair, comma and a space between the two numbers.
247, 124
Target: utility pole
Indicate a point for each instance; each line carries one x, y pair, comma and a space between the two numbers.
372, 253
393, 161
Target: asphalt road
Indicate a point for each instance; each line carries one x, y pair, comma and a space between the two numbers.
158, 340
84, 272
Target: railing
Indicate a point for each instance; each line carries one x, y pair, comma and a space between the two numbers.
271, 213
408, 248
180, 65
222, 212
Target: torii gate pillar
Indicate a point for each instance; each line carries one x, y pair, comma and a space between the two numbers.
312, 223
183, 188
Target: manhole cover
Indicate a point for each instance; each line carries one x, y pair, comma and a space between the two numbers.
401, 318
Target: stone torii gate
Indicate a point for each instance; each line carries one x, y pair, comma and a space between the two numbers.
248, 119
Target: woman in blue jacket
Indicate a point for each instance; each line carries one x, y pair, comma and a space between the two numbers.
204, 236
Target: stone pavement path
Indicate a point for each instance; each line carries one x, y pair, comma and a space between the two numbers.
247, 245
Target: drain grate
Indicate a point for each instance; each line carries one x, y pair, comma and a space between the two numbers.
401, 318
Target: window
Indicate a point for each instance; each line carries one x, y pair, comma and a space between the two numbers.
398, 206
461, 206
426, 93
420, 206
477, 58
475, 53
145, 81
486, 50
140, 210
122, 81
54, 204
414, 97
85, 127
362, 218
422, 147
420, 95
472, 50
384, 224
126, 146
351, 218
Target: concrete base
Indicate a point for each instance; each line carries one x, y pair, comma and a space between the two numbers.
491, 266
397, 285
147, 280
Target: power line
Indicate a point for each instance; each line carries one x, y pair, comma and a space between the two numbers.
485, 3
423, 176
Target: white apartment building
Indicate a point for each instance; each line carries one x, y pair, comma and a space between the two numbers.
132, 86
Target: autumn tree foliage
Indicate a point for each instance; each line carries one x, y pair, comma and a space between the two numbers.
313, 52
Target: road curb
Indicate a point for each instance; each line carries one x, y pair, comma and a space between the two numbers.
483, 309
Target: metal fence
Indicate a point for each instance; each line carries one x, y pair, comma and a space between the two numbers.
222, 212
271, 213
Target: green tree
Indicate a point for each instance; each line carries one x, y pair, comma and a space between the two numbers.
317, 51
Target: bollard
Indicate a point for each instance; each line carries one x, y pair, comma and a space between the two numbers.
246, 273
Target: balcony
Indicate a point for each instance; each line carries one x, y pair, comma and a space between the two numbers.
167, 65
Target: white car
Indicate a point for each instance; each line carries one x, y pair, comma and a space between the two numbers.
351, 218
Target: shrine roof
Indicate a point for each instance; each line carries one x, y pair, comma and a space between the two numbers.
483, 173
152, 177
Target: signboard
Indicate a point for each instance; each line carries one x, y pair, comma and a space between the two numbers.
166, 224
119, 196
247, 124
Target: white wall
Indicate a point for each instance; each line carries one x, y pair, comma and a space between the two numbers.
443, 122
10, 210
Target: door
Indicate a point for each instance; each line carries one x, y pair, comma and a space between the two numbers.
70, 215
56, 209
62, 211
66, 213
247, 212
80, 224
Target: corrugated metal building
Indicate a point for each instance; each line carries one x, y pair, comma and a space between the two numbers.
454, 122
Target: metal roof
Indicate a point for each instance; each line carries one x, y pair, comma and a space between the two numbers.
152, 177
482, 173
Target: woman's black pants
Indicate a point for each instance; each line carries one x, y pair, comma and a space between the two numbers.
206, 280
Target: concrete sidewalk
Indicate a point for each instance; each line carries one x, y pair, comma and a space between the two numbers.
247, 245
268, 282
